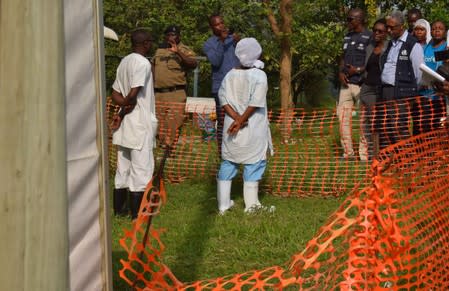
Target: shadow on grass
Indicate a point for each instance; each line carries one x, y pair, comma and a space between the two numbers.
190, 250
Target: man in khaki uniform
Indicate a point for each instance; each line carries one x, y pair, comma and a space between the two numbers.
172, 61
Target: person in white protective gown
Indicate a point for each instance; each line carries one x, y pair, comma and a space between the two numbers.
246, 131
134, 127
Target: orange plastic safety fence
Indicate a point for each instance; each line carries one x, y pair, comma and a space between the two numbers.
143, 269
390, 235
309, 145
393, 235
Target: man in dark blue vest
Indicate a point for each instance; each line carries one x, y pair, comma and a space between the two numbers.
400, 79
350, 75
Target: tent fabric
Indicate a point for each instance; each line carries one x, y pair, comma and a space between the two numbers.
87, 238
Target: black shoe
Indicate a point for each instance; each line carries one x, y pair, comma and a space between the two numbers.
119, 202
135, 200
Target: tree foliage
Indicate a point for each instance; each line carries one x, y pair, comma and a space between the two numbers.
317, 30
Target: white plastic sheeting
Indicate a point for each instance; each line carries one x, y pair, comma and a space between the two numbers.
88, 228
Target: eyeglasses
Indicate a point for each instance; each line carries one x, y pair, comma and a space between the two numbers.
378, 31
391, 27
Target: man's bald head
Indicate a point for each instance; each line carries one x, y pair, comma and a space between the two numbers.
140, 36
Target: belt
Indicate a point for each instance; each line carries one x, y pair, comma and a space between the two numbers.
170, 89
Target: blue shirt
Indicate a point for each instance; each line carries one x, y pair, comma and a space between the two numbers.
429, 55
429, 59
222, 57
416, 57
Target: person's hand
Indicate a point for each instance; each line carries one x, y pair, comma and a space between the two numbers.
118, 117
236, 37
174, 46
445, 87
116, 121
351, 70
236, 126
343, 79
442, 87
129, 108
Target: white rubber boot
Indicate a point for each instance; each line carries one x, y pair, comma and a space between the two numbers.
224, 196
251, 196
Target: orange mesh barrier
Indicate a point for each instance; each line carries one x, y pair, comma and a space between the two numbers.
390, 235
309, 145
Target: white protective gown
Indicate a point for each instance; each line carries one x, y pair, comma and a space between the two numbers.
241, 89
135, 136
135, 71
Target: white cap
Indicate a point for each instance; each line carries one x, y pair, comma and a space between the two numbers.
248, 51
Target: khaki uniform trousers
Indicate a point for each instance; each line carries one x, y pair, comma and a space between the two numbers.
349, 96
170, 108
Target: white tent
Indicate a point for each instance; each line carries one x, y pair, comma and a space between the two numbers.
55, 232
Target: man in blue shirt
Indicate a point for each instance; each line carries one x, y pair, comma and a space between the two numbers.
220, 51
400, 78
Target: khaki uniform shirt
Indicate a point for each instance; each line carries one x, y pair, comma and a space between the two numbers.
168, 71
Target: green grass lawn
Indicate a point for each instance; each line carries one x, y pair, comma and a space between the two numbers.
200, 244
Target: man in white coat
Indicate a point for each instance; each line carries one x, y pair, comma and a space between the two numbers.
246, 131
133, 127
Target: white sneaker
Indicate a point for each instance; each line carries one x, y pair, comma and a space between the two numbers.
261, 208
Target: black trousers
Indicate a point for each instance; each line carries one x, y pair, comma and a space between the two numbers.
427, 113
394, 118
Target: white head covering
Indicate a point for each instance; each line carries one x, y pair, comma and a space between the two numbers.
248, 51
425, 24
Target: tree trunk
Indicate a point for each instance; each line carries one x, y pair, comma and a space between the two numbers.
283, 33
286, 54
